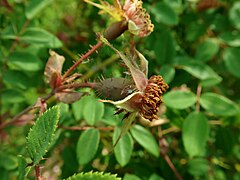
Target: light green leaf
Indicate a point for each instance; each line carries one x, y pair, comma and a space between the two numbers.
24, 61
23, 169
207, 50
234, 14
145, 139
218, 104
165, 14
93, 111
12, 96
198, 167
36, 6
40, 37
155, 177
167, 72
78, 107
231, 60
130, 177
195, 133
123, 149
8, 161
41, 135
87, 145
230, 38
94, 176
179, 99
15, 79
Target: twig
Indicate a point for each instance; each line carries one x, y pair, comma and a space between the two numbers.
91, 51
37, 172
169, 162
77, 128
199, 90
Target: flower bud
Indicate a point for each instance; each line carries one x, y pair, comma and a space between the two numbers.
115, 30
114, 88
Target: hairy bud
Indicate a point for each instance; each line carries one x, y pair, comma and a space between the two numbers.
114, 88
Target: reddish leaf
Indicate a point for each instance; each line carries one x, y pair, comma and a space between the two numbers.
68, 96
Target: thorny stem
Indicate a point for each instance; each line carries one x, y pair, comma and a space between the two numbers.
37, 172
199, 90
91, 51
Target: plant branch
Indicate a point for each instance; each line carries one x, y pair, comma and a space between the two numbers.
91, 51
171, 165
37, 172
77, 128
199, 90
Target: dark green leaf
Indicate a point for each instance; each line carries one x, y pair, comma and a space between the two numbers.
218, 105
231, 60
195, 133
8, 161
234, 14
199, 70
167, 72
93, 111
36, 6
41, 135
206, 50
12, 96
224, 140
145, 139
198, 167
179, 99
40, 37
123, 149
165, 14
24, 61
15, 79
87, 145
231, 38
164, 47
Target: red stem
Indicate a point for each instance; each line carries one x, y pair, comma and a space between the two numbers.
91, 51
37, 172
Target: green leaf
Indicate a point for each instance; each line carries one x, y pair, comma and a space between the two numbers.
93, 111
8, 161
12, 96
179, 99
199, 70
78, 107
207, 50
218, 104
165, 14
87, 145
41, 135
94, 176
24, 61
234, 14
231, 60
123, 149
130, 177
155, 177
166, 53
198, 167
195, 133
145, 139
40, 37
15, 79
167, 72
36, 6
23, 169
230, 38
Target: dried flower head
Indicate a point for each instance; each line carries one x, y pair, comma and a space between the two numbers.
131, 14
139, 22
148, 95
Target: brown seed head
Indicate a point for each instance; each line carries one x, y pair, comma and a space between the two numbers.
153, 97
